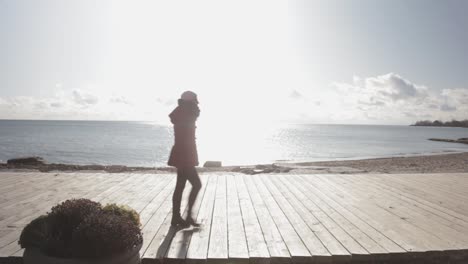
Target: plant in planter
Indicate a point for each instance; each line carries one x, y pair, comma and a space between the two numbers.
82, 231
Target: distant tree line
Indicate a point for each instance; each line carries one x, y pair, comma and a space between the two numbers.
453, 123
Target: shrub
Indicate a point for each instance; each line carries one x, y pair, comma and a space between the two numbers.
102, 235
35, 233
124, 211
64, 219
81, 228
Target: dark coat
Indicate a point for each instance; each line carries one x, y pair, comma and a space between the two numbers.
184, 152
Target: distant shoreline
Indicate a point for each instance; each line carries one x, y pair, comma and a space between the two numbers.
429, 163
437, 123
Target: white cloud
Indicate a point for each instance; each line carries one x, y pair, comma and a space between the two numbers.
392, 98
84, 98
456, 96
295, 94
383, 90
448, 108
395, 87
56, 104
83, 104
120, 100
384, 99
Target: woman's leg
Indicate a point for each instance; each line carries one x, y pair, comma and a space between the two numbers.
195, 181
177, 196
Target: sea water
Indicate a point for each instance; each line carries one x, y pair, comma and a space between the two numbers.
149, 144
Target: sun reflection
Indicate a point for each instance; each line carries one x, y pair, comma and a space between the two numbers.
235, 144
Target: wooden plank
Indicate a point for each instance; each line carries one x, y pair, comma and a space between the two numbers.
158, 246
198, 248
124, 180
9, 176
156, 202
426, 221
13, 237
218, 246
448, 214
25, 214
158, 183
181, 240
256, 245
335, 238
352, 210
411, 237
378, 244
90, 191
15, 177
448, 181
9, 249
360, 243
297, 249
97, 193
237, 241
19, 183
434, 195
20, 223
35, 192
141, 193
442, 182
429, 186
85, 189
310, 238
347, 212
40, 195
156, 230
18, 254
127, 191
153, 188
431, 196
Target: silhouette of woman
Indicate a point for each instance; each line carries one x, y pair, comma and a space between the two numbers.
184, 155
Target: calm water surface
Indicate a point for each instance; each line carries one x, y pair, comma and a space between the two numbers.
147, 144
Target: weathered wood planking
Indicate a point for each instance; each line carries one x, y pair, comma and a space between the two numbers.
269, 218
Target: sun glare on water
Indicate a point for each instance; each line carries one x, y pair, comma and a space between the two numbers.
238, 144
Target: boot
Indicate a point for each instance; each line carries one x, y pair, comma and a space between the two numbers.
178, 221
190, 221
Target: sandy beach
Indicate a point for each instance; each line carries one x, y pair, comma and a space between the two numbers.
445, 163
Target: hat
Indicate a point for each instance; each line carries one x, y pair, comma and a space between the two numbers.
189, 96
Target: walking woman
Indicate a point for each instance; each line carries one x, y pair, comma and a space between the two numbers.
184, 156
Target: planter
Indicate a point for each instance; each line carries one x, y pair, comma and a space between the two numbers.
35, 256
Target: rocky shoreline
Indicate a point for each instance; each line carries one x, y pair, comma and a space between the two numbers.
39, 164
449, 163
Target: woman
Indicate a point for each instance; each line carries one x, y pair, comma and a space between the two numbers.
184, 155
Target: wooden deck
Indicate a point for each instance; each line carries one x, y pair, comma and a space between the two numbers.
415, 218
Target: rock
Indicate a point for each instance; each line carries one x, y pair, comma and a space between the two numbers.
26, 161
442, 139
461, 140
268, 170
252, 171
212, 164
236, 169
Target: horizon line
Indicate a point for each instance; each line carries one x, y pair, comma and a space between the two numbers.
152, 121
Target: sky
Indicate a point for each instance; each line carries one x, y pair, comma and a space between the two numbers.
250, 62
